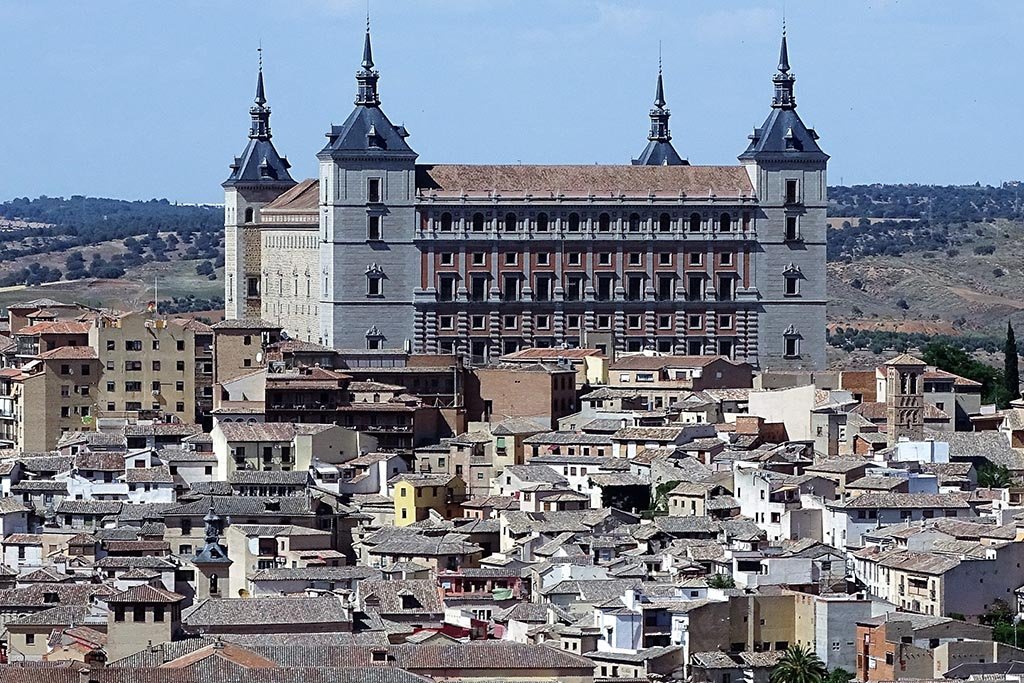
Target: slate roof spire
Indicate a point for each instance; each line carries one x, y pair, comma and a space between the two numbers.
212, 552
659, 95
367, 77
260, 112
784, 52
659, 151
260, 163
783, 135
367, 132
783, 80
367, 50
261, 97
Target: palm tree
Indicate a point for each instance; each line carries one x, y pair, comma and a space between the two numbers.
994, 476
799, 665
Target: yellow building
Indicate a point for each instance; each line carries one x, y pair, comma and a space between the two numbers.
415, 495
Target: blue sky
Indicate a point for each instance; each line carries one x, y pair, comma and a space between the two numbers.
134, 99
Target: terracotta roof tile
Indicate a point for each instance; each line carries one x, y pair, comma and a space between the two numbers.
583, 180
69, 353
57, 327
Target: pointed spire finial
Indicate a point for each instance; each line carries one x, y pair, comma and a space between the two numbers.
259, 112
261, 96
367, 51
784, 51
366, 77
659, 151
783, 79
659, 91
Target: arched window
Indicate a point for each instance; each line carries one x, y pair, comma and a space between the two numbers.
478, 222
446, 222
724, 223
664, 223
510, 222
604, 222
542, 222
634, 222
249, 214
694, 222
214, 580
574, 222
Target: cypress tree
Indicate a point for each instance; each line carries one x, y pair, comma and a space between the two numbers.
1011, 370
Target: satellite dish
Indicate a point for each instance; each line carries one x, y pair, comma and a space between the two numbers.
259, 356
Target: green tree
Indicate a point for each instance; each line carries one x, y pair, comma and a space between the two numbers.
950, 358
994, 476
839, 675
799, 665
721, 581
1011, 369
1004, 628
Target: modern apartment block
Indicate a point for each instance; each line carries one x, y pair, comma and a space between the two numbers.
74, 373
484, 260
149, 364
54, 394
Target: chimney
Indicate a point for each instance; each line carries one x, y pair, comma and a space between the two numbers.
95, 659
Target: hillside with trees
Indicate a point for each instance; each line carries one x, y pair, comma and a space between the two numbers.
910, 262
902, 259
49, 239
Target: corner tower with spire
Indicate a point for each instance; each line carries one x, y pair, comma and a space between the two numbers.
257, 177
787, 169
367, 219
659, 150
